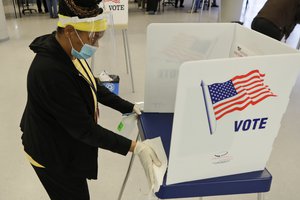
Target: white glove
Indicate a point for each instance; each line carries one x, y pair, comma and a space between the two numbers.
137, 109
147, 157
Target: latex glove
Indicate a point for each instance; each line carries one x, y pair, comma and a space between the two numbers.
137, 109
147, 157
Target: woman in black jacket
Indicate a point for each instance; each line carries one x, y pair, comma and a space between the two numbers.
61, 135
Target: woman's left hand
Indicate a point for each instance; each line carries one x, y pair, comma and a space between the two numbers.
137, 109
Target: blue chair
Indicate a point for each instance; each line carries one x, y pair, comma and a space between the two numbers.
153, 125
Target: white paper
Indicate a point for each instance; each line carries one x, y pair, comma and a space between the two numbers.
159, 172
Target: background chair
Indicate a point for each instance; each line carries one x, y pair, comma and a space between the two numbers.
167, 3
26, 7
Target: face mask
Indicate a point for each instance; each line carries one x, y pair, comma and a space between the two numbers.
86, 51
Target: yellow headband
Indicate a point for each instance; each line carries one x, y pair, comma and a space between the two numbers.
93, 24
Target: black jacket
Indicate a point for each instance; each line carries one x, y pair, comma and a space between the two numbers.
282, 13
58, 126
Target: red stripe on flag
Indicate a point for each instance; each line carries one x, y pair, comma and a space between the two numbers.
254, 82
250, 73
250, 90
240, 95
237, 102
255, 91
259, 86
242, 108
242, 81
114, 1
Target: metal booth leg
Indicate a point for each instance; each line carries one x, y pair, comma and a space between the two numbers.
298, 45
125, 50
193, 6
127, 56
127, 173
260, 196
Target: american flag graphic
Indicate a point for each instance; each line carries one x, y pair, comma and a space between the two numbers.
114, 1
238, 93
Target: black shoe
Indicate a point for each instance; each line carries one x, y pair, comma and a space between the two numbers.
181, 6
176, 6
150, 12
214, 5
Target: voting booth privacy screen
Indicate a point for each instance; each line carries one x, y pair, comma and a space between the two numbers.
228, 87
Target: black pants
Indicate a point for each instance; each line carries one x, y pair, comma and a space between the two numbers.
39, 5
152, 5
63, 187
266, 27
176, 3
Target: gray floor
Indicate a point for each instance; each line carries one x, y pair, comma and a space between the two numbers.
18, 181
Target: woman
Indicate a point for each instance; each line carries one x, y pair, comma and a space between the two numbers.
61, 135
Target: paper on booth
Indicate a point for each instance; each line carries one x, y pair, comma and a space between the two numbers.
159, 172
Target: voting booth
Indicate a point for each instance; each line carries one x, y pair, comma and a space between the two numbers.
228, 87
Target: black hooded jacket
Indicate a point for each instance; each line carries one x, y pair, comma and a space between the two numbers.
285, 14
59, 130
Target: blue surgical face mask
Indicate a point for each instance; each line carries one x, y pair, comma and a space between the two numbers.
86, 51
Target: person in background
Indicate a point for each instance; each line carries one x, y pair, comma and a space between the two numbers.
277, 18
198, 5
141, 4
52, 7
214, 3
61, 134
180, 5
151, 7
39, 5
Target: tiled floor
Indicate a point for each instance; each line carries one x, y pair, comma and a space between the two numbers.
17, 179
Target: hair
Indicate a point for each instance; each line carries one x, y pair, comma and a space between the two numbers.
80, 8
59, 30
